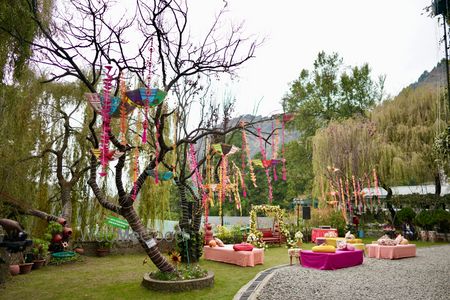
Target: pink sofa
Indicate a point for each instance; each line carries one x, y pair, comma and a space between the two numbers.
228, 255
391, 252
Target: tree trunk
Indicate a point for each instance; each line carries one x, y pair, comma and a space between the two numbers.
143, 237
184, 220
437, 181
66, 203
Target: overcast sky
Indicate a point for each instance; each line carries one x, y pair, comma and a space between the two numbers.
395, 37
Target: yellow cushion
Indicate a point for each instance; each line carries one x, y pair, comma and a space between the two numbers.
333, 241
355, 241
322, 248
359, 246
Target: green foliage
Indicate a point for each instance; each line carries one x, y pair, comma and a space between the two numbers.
105, 240
229, 236
329, 92
420, 201
442, 220
40, 248
190, 248
186, 272
15, 19
54, 228
406, 214
425, 219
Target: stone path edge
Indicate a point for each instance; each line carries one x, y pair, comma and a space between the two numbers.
250, 290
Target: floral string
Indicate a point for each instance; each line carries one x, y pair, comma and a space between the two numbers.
106, 107
266, 169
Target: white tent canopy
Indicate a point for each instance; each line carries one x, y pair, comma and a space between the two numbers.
406, 190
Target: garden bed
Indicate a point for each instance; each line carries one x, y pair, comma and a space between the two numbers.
178, 285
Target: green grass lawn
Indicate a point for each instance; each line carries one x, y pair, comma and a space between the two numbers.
120, 276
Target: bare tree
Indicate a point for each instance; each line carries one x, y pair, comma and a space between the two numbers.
81, 40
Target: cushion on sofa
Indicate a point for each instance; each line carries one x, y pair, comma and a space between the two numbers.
323, 248
243, 247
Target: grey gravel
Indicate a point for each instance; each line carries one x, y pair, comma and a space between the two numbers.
426, 276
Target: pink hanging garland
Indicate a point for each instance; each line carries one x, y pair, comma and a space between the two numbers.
266, 169
274, 153
247, 151
283, 150
106, 107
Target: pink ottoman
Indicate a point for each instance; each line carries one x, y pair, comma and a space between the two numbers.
228, 255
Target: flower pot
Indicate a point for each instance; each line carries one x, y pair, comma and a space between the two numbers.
432, 236
423, 235
38, 263
101, 252
14, 270
25, 268
79, 250
299, 244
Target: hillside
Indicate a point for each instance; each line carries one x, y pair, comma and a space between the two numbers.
266, 129
436, 76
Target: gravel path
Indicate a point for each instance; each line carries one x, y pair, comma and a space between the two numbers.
426, 276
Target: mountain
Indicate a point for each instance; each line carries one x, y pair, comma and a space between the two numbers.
436, 77
266, 129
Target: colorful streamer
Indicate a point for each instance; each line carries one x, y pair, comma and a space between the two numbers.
136, 158
283, 150
123, 111
274, 153
107, 82
263, 153
247, 151
147, 96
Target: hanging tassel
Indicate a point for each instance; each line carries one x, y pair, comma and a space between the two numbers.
377, 190
106, 107
157, 152
148, 92
136, 158
283, 150
223, 181
355, 192
123, 111
247, 151
266, 169
370, 192
362, 202
274, 153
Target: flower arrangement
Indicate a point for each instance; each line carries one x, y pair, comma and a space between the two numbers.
298, 236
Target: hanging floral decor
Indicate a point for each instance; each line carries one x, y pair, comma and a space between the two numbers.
265, 164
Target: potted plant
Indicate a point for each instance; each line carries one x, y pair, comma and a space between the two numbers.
104, 244
40, 251
25, 265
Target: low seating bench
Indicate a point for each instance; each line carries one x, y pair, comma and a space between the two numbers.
391, 252
228, 255
331, 261
271, 237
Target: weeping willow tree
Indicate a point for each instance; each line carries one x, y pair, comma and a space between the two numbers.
19, 136
396, 140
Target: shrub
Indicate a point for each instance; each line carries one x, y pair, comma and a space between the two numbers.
224, 234
442, 220
406, 214
425, 219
